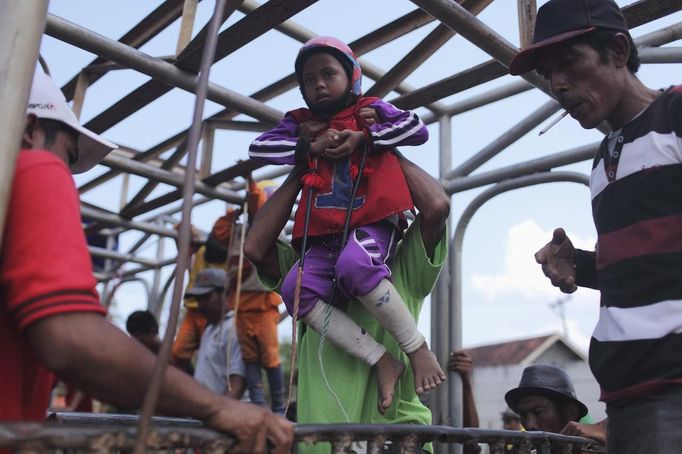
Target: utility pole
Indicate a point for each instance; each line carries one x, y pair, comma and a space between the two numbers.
559, 308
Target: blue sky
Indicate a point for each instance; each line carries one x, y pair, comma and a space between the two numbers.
505, 295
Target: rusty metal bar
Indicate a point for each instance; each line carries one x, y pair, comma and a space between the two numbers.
168, 164
146, 29
422, 51
117, 432
194, 136
139, 168
477, 75
168, 75
109, 254
510, 136
234, 37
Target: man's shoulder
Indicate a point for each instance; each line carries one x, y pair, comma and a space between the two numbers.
35, 159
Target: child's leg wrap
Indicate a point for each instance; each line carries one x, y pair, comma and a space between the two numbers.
390, 310
343, 332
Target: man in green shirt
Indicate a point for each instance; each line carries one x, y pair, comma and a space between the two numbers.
350, 392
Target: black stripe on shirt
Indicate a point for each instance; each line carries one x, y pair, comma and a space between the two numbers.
619, 365
641, 281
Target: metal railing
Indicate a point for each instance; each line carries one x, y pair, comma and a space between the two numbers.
95, 432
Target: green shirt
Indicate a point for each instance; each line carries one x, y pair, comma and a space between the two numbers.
353, 381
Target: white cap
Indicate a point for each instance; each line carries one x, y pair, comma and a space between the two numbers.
47, 101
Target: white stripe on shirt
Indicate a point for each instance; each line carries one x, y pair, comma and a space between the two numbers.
653, 321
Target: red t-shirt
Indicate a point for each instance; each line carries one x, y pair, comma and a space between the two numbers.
45, 270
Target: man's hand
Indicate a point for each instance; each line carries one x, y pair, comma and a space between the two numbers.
594, 431
461, 362
369, 114
557, 261
311, 128
253, 427
349, 142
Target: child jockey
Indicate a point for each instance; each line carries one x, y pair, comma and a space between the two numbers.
330, 136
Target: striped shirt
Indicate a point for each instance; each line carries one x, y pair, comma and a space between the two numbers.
396, 128
636, 191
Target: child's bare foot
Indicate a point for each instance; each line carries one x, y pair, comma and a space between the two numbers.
389, 370
427, 372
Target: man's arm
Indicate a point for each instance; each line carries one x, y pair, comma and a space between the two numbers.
260, 245
236, 388
596, 431
103, 362
431, 201
461, 362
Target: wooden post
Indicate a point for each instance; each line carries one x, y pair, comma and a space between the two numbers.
527, 11
21, 28
206, 151
189, 11
82, 84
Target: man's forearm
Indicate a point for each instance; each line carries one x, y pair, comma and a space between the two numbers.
103, 362
430, 199
260, 246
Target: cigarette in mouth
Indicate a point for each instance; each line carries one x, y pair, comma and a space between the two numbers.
556, 120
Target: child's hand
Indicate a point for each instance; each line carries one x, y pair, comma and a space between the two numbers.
310, 128
350, 141
369, 114
330, 138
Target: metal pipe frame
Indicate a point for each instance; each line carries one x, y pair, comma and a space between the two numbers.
274, 14
512, 135
455, 256
154, 173
117, 432
163, 356
549, 162
85, 39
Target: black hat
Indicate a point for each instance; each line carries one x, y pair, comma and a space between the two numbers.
561, 20
206, 281
548, 381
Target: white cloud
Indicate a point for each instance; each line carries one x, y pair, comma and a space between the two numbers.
522, 276
518, 300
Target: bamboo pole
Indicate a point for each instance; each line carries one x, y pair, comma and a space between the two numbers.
21, 28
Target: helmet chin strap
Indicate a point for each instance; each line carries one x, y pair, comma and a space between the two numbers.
329, 110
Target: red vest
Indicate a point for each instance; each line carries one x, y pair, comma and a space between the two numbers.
382, 192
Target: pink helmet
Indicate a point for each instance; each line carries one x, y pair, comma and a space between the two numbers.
340, 50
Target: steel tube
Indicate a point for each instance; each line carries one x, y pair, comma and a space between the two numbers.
478, 33
85, 39
532, 166
455, 257
21, 27
660, 55
115, 220
488, 97
188, 187
509, 137
164, 176
439, 307
109, 254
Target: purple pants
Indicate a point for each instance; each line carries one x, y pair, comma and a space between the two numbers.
358, 267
